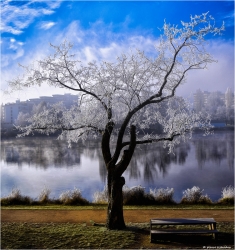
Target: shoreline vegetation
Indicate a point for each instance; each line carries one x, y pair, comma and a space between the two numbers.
135, 196
13, 132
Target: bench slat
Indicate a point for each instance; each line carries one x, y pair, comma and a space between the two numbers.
184, 231
181, 221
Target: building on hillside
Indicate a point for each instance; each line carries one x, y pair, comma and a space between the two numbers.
10, 111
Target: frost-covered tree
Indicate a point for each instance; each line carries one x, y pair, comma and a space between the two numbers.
22, 119
37, 108
120, 100
215, 106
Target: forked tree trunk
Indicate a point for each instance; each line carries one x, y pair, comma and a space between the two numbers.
115, 170
115, 219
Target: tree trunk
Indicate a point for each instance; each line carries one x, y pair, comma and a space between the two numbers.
115, 219
115, 170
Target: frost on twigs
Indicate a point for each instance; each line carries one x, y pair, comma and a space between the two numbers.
72, 197
228, 194
162, 195
194, 196
101, 197
136, 89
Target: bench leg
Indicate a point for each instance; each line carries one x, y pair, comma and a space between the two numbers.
213, 227
151, 238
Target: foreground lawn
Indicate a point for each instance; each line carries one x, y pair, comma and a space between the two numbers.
92, 235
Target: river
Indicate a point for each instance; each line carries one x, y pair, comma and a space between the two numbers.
31, 164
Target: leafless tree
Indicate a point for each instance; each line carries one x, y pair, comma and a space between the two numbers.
124, 98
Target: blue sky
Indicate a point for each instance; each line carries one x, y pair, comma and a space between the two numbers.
102, 30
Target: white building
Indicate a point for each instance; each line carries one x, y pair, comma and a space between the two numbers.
201, 99
10, 111
229, 104
229, 98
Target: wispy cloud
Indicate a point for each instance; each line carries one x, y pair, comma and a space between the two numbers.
16, 17
15, 44
46, 25
229, 19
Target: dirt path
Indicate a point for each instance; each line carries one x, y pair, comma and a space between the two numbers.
99, 216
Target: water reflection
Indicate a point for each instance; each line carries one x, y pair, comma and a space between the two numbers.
152, 159
155, 161
40, 152
44, 153
46, 161
215, 148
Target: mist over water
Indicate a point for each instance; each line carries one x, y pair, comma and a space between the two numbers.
31, 164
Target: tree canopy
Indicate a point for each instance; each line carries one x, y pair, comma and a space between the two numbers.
130, 90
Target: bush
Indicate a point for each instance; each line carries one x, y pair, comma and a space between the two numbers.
195, 196
228, 194
131, 196
43, 197
101, 197
163, 196
73, 197
15, 198
136, 196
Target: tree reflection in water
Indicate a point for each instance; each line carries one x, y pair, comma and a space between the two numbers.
40, 152
215, 148
154, 159
149, 162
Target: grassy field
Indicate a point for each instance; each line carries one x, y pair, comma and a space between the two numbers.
96, 236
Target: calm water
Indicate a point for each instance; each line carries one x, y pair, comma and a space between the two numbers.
31, 164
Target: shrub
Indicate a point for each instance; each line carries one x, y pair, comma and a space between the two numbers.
101, 197
15, 198
163, 196
136, 196
228, 194
131, 196
73, 197
195, 196
43, 197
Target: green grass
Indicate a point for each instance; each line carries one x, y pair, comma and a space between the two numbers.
63, 236
77, 236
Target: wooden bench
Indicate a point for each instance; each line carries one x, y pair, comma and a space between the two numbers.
190, 221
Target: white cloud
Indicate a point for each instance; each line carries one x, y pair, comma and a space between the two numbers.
90, 54
15, 18
72, 33
46, 25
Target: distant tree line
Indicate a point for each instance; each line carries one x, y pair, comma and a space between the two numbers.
219, 106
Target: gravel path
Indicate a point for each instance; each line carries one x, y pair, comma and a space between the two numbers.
99, 216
